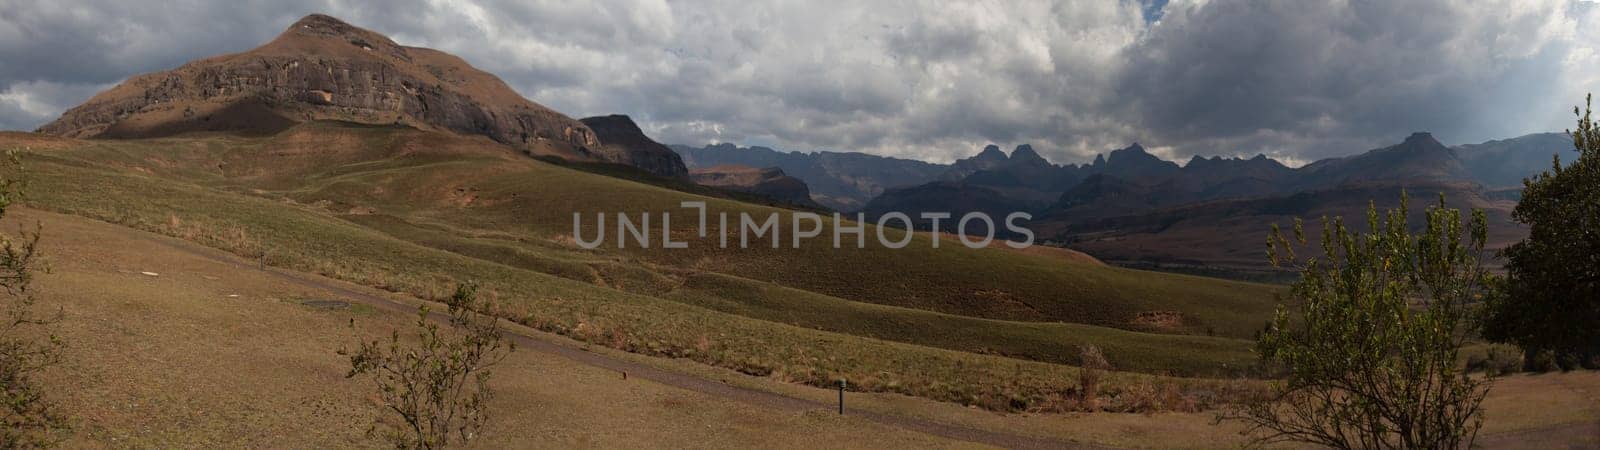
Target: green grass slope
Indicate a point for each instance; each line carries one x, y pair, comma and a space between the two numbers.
412, 211
310, 238
403, 181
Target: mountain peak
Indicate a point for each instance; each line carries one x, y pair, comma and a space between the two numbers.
1135, 152
1422, 142
622, 141
1419, 157
322, 24
991, 152
1135, 163
1024, 154
322, 68
620, 122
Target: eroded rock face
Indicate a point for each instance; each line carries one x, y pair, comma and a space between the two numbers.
622, 141
324, 69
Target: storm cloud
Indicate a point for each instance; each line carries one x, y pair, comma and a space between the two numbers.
921, 79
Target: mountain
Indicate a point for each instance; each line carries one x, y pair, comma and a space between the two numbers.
945, 196
1418, 159
989, 159
321, 68
622, 141
1504, 163
1023, 176
1132, 207
990, 182
1228, 235
1134, 181
1103, 195
769, 182
1135, 163
840, 181
1215, 212
1218, 177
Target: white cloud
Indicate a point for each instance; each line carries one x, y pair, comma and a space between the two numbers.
25, 105
923, 79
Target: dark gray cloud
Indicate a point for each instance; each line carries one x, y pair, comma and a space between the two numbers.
923, 79
1327, 78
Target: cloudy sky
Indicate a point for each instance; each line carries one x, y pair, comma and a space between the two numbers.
932, 80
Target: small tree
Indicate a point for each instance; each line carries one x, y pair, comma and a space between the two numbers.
438, 389
28, 419
1370, 352
1550, 303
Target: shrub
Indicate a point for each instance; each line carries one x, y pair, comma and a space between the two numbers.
28, 345
438, 388
1550, 301
1371, 352
1094, 366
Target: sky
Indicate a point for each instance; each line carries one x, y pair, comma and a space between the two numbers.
930, 80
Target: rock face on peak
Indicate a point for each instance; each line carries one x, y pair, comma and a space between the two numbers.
321, 68
622, 141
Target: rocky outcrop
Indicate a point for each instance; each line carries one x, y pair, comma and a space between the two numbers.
770, 182
321, 68
622, 141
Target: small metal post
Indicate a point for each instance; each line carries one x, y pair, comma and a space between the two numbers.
841, 396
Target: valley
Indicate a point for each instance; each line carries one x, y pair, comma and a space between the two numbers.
217, 235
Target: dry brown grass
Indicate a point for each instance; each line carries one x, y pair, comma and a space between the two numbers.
173, 361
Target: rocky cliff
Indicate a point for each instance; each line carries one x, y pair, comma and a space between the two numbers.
622, 141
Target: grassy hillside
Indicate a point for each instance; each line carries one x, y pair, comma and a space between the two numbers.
206, 355
259, 370
1051, 342
411, 212
473, 187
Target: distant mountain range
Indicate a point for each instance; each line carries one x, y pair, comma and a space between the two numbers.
1504, 163
840, 181
1133, 207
